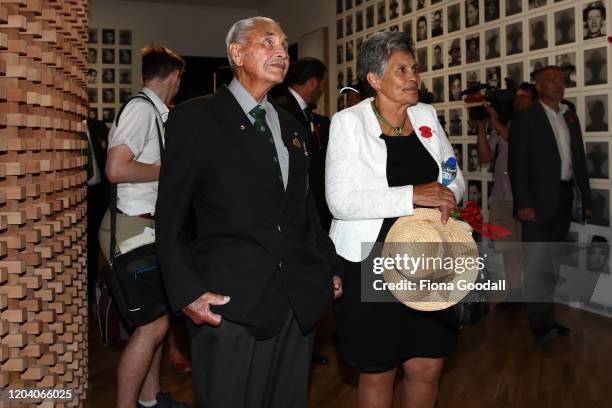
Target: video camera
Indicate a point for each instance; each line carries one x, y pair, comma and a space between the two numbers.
501, 100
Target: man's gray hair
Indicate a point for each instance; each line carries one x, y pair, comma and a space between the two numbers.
239, 32
375, 53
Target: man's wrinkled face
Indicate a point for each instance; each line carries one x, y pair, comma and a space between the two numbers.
264, 55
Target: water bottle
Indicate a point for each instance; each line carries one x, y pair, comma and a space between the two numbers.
449, 171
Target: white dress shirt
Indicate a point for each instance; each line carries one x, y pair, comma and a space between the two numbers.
562, 136
356, 187
138, 132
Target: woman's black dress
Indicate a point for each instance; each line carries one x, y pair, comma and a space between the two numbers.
376, 337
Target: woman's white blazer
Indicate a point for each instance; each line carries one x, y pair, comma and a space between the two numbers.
356, 186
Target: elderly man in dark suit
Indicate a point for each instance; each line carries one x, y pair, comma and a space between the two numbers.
546, 160
241, 248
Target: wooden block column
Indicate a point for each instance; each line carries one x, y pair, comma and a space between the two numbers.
43, 300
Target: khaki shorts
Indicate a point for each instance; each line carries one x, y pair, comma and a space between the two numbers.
127, 227
500, 213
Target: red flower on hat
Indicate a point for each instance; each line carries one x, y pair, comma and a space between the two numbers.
425, 132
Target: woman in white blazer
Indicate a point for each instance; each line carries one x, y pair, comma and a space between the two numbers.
384, 158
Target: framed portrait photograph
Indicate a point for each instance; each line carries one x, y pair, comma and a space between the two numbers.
440, 112
474, 191
492, 43
514, 7
493, 77
534, 4
472, 48
567, 62
108, 76
92, 76
473, 160
108, 95
393, 9
349, 51
92, 36
406, 7
358, 45
491, 10
454, 53
594, 20
381, 12
92, 55
339, 54
339, 8
407, 28
350, 78
458, 151
125, 37
565, 27
108, 36
422, 59
421, 28
454, 87
359, 21
598, 254
125, 76
437, 27
538, 33
108, 115
437, 56
124, 94
92, 95
92, 113
339, 29
437, 88
597, 157
601, 207
349, 25
453, 17
455, 123
125, 56
340, 80
472, 13
348, 4
514, 38
420, 4
596, 112
595, 67
472, 78
514, 71
370, 17
108, 55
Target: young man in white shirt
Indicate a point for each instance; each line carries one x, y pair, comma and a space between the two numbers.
133, 163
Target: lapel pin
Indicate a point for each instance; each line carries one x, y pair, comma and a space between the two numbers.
242, 127
296, 142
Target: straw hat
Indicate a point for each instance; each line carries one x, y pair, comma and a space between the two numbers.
422, 235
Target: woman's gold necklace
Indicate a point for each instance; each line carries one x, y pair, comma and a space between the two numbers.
397, 131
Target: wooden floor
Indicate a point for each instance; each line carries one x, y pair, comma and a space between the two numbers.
498, 364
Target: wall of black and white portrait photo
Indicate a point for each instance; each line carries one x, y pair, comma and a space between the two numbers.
109, 71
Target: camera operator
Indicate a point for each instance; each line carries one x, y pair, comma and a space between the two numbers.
494, 148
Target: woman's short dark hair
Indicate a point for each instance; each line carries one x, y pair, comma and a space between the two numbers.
376, 51
159, 62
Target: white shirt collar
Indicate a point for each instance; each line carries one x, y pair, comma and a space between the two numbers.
562, 108
159, 104
299, 99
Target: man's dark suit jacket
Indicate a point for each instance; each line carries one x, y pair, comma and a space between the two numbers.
225, 224
317, 145
534, 162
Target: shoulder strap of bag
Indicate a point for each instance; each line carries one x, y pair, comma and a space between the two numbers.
113, 191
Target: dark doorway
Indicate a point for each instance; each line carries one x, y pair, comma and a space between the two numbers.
199, 77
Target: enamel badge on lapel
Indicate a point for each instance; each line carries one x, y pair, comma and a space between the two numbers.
242, 127
296, 142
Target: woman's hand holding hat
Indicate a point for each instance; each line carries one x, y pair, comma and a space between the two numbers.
435, 195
